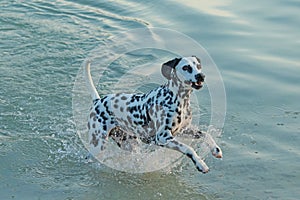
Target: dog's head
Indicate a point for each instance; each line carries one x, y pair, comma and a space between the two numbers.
187, 70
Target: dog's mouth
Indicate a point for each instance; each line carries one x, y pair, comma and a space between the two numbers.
196, 85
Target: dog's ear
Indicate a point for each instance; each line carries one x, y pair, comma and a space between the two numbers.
167, 67
198, 59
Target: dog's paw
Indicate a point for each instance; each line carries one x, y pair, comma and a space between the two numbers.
203, 168
217, 152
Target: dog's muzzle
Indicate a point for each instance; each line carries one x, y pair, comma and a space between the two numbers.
200, 77
199, 83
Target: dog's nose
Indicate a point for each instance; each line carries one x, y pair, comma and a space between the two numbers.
200, 77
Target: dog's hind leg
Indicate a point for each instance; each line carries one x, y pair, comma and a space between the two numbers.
124, 140
97, 141
97, 134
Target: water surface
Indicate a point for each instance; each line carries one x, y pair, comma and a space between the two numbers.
255, 46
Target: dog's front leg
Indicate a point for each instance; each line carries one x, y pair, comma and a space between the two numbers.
214, 148
207, 138
167, 140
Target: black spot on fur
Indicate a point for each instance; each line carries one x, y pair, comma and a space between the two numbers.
105, 104
168, 128
167, 121
175, 142
102, 115
129, 120
103, 99
95, 101
191, 157
158, 95
97, 109
176, 148
169, 138
132, 109
178, 119
94, 140
187, 68
92, 115
148, 118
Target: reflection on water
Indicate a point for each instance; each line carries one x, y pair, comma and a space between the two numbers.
213, 7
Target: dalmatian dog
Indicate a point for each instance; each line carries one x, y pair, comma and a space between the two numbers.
154, 117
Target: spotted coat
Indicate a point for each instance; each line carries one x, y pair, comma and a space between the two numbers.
156, 116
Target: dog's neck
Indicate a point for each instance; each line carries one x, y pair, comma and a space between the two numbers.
179, 88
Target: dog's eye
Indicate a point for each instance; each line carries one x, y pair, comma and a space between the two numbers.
187, 68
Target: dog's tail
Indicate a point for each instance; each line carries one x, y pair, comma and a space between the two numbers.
89, 81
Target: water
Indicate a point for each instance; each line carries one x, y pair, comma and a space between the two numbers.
255, 46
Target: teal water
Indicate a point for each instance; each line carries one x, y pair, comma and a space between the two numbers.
256, 47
